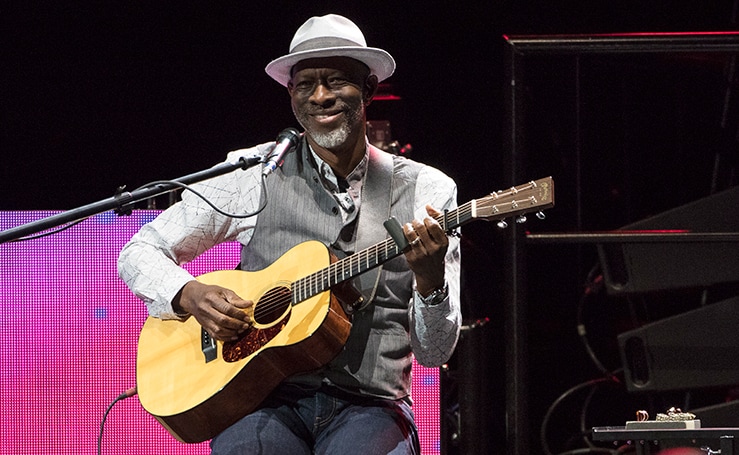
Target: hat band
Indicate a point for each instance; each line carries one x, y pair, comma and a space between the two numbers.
323, 42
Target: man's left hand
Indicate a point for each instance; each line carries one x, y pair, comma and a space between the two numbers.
426, 252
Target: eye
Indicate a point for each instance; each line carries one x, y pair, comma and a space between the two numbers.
303, 85
337, 81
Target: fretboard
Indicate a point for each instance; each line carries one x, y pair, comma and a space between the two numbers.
369, 258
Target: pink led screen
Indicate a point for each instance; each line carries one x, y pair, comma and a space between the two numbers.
69, 328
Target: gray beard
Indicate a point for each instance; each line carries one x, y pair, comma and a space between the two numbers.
334, 138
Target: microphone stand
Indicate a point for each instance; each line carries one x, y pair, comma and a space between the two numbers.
122, 199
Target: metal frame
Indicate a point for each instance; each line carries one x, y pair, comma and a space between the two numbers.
517, 48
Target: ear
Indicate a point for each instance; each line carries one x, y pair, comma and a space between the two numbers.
370, 89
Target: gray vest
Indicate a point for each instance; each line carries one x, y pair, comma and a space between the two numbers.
376, 359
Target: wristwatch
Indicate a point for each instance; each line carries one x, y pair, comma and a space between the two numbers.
437, 295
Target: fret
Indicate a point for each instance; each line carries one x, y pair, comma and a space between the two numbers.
319, 280
360, 262
535, 195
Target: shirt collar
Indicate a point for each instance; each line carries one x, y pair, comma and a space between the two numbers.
354, 178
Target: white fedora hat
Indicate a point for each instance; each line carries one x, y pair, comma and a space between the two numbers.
330, 36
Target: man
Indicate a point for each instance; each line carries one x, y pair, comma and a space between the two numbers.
337, 189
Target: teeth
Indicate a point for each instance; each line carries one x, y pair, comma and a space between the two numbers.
325, 117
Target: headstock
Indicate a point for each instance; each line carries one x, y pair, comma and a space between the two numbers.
534, 196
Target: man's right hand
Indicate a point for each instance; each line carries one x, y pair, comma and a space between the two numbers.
222, 313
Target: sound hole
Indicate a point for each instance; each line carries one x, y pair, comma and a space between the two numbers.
273, 305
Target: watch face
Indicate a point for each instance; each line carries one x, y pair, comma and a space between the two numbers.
436, 296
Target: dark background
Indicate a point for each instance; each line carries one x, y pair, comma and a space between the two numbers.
101, 94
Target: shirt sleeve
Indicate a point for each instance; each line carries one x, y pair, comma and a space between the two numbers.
435, 329
150, 263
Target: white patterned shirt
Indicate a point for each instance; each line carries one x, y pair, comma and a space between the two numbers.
149, 262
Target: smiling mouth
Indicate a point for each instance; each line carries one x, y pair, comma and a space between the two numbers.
326, 118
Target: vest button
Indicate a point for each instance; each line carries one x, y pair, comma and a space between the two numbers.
335, 210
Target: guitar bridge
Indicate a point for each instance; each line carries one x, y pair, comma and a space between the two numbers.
208, 346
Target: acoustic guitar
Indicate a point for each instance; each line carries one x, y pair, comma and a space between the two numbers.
197, 387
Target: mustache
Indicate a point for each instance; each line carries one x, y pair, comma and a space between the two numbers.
343, 107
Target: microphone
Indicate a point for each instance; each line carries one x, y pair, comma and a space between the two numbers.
286, 141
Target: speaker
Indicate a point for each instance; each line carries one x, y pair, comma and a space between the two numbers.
636, 266
695, 349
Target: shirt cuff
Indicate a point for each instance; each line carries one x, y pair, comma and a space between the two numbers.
436, 296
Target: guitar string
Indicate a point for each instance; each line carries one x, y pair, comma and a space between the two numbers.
317, 282
324, 279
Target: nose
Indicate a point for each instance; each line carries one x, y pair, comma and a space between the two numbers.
322, 95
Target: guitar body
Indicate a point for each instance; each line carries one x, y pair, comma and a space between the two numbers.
196, 393
196, 399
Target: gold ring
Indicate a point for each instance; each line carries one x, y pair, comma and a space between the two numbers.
416, 241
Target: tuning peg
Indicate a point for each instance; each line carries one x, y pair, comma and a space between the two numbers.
520, 219
502, 224
540, 215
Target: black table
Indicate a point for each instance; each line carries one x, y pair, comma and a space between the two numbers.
723, 437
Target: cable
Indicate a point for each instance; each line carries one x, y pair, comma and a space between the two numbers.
196, 193
55, 231
583, 418
593, 284
550, 411
127, 394
159, 182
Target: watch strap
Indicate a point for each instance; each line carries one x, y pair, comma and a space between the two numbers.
436, 297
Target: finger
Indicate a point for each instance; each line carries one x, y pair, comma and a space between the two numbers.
409, 232
434, 231
443, 231
219, 328
236, 307
222, 330
221, 325
220, 317
421, 228
245, 310
432, 211
411, 235
238, 323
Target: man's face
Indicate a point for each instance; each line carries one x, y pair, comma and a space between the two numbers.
328, 98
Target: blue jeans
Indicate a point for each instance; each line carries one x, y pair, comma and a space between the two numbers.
299, 420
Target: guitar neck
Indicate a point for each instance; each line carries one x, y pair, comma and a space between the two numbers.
535, 195
369, 258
